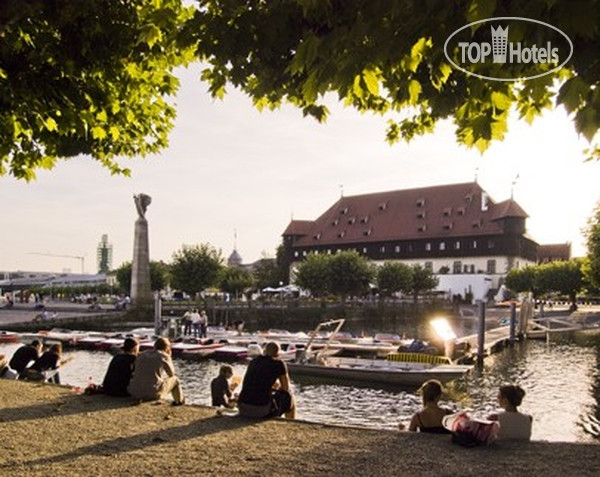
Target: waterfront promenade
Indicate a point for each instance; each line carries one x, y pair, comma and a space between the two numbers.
51, 430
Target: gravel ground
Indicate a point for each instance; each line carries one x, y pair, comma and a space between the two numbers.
52, 430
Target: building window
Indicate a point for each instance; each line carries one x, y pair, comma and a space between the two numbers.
344, 211
365, 219
364, 249
410, 247
457, 267
474, 243
341, 234
429, 266
461, 211
491, 266
457, 245
422, 228
328, 251
351, 220
335, 222
397, 249
318, 236
296, 254
447, 211
442, 245
420, 202
421, 215
428, 246
383, 206
448, 226
466, 268
490, 244
304, 253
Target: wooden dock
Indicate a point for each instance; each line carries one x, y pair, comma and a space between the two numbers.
495, 340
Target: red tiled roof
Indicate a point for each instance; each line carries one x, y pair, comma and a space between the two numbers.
554, 251
298, 227
447, 210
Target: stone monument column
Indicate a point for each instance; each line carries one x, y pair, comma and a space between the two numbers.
141, 292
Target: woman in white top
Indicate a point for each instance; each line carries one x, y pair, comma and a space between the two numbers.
513, 424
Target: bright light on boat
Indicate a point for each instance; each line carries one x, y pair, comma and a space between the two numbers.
443, 329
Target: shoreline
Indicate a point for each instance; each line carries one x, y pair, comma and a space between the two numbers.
51, 430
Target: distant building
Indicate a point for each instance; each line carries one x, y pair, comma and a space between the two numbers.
104, 254
555, 252
452, 229
235, 259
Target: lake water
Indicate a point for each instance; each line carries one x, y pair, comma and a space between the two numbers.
562, 382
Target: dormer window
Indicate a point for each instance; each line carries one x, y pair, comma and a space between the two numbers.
448, 226
317, 236
351, 220
469, 197
447, 211
367, 232
477, 224
421, 202
334, 222
460, 211
365, 219
383, 206
422, 228
344, 211
421, 215
341, 234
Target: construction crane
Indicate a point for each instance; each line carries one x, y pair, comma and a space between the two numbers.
78, 257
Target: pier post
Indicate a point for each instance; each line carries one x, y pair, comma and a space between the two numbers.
481, 332
513, 323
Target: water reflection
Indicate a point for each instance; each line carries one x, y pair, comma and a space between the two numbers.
562, 383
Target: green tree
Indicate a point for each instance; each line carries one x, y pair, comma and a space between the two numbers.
234, 280
521, 280
393, 277
565, 277
423, 280
195, 267
87, 77
351, 274
158, 276
592, 234
266, 273
388, 57
314, 274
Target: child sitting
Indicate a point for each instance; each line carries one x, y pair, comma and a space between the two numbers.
221, 390
513, 424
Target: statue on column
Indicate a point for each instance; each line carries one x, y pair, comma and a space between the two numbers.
142, 201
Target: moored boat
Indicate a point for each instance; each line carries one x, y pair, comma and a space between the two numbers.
400, 369
8, 337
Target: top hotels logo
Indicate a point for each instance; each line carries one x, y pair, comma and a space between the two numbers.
484, 54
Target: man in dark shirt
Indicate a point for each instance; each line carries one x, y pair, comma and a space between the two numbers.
120, 369
24, 356
266, 387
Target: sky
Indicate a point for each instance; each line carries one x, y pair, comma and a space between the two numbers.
232, 171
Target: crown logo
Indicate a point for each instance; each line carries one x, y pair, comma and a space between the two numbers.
499, 42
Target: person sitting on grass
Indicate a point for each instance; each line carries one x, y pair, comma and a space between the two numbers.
46, 366
429, 419
154, 375
24, 356
266, 388
221, 389
119, 372
513, 424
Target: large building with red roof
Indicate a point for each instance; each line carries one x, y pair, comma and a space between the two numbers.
449, 229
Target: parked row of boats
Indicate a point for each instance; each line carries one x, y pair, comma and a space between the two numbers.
381, 359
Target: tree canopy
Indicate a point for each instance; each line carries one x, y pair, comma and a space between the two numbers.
592, 268
388, 58
393, 277
195, 267
93, 77
87, 77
